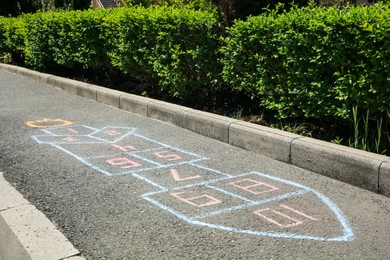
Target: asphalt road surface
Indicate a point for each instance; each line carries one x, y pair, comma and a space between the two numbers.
122, 186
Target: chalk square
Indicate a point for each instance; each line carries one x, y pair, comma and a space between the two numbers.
92, 150
69, 139
127, 145
180, 175
284, 216
138, 142
170, 156
113, 134
253, 186
196, 201
74, 130
304, 215
256, 186
119, 164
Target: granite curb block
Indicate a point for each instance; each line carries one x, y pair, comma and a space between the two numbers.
363, 169
208, 124
166, 112
342, 163
384, 179
134, 104
26, 233
269, 142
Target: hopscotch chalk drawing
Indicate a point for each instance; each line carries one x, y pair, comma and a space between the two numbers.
251, 203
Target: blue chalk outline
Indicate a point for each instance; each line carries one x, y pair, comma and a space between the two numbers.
348, 234
49, 132
130, 131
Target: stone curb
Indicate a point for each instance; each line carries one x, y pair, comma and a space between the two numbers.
26, 233
363, 169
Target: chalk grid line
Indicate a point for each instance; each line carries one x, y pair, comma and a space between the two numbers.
113, 135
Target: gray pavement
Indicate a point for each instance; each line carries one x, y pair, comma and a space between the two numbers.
123, 185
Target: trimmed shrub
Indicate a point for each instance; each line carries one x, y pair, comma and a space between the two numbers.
310, 62
39, 31
193, 4
15, 39
3, 24
12, 38
313, 62
65, 38
129, 47
176, 47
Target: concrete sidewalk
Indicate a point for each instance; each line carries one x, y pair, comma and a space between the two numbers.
26, 233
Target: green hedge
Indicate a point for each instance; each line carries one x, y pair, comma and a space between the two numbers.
313, 62
3, 29
310, 62
65, 38
12, 35
176, 47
